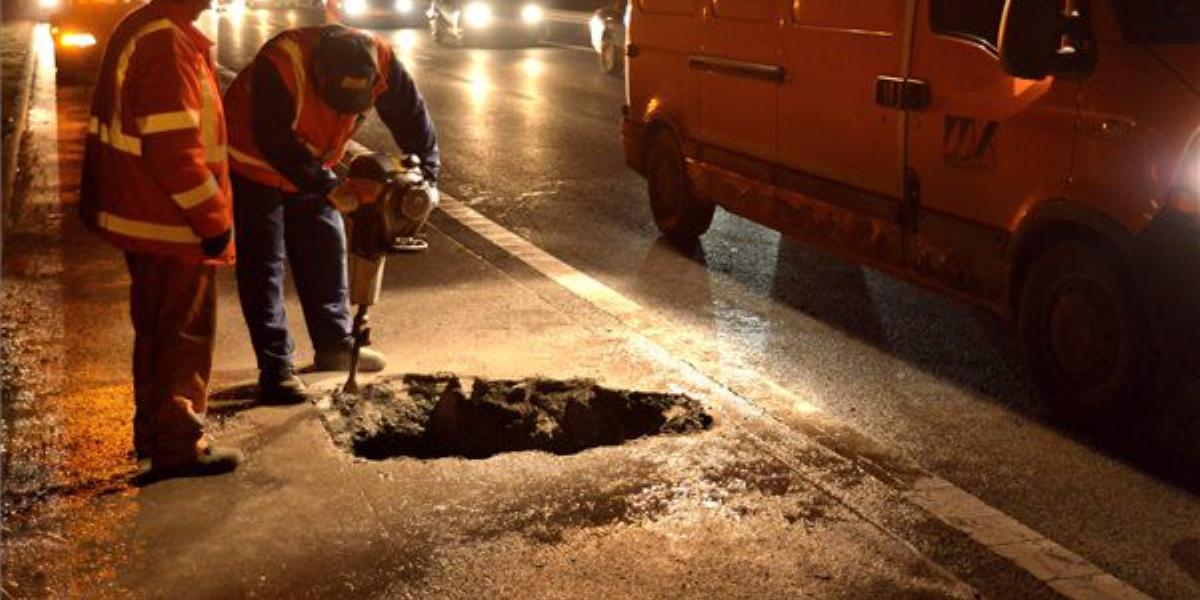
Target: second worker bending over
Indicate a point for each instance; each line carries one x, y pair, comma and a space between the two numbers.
291, 114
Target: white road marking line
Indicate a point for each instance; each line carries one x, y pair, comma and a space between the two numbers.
1064, 571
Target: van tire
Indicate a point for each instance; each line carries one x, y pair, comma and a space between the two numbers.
1082, 332
678, 213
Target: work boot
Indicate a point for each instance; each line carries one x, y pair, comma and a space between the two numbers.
369, 361
213, 460
281, 391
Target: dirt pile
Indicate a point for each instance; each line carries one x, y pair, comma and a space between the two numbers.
430, 416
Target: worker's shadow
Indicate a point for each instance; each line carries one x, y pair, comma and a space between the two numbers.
229, 401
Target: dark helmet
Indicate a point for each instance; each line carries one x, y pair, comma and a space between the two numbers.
345, 69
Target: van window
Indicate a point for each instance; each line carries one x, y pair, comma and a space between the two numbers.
976, 20
668, 7
881, 16
743, 10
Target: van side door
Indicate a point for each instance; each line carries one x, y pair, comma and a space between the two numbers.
986, 148
658, 83
840, 151
739, 76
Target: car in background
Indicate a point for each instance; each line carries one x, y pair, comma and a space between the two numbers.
380, 13
80, 30
471, 22
607, 28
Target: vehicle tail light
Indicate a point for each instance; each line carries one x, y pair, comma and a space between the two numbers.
77, 40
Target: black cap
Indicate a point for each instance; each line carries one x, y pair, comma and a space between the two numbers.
346, 69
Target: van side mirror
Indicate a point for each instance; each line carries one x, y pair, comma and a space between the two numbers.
1038, 38
1030, 37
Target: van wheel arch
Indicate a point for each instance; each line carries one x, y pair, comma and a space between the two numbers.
1055, 221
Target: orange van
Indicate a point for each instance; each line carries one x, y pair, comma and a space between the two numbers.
1040, 158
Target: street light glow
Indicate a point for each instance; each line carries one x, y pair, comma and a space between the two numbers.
532, 14
404, 6
478, 15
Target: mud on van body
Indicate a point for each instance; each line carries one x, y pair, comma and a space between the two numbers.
1037, 157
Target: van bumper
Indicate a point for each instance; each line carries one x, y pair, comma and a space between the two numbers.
633, 136
1169, 267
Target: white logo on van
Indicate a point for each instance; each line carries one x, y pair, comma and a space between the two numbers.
970, 144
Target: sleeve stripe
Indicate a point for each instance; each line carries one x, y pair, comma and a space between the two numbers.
146, 230
246, 159
169, 121
198, 194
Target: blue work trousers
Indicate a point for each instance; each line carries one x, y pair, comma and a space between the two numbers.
272, 225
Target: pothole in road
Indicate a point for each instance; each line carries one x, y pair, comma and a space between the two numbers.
442, 415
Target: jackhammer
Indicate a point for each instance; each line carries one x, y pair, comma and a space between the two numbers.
387, 200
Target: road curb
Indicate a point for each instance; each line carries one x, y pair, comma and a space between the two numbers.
13, 145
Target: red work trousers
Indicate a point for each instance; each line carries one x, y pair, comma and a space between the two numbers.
174, 310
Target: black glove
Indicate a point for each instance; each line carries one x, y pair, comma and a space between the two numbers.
215, 246
324, 181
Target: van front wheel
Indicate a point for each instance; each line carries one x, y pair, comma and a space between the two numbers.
1081, 331
679, 215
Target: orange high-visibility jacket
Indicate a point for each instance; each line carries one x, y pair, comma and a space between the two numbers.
156, 178
321, 129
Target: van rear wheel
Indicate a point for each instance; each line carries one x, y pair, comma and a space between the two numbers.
679, 215
1081, 331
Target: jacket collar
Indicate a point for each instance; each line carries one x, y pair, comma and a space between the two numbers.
181, 15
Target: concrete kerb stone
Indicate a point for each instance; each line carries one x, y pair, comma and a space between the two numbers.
13, 143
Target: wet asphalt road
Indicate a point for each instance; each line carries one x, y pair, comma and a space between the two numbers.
530, 138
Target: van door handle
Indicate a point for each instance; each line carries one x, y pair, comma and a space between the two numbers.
738, 68
901, 93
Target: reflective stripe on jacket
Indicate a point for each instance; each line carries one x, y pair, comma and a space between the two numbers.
155, 175
321, 130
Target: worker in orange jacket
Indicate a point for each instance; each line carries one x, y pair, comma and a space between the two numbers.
291, 114
156, 185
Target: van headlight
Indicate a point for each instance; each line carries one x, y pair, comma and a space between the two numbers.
355, 7
1185, 196
532, 14
478, 15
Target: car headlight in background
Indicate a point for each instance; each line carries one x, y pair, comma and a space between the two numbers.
532, 14
478, 15
403, 6
596, 29
355, 7
77, 40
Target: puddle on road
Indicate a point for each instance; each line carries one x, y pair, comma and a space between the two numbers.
442, 415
